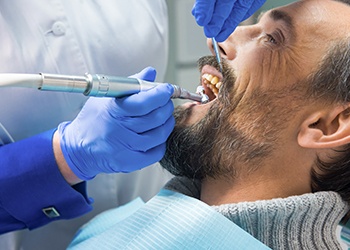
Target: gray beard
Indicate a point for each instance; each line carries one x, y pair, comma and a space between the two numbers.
213, 147
189, 148
233, 133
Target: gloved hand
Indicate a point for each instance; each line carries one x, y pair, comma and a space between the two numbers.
119, 134
221, 17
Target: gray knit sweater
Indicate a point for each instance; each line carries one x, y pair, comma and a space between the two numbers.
298, 222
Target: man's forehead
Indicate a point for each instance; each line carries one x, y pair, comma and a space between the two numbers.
322, 15
312, 7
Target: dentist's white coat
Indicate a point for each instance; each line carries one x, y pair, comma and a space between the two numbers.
116, 37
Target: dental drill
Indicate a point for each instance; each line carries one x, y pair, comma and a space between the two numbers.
92, 85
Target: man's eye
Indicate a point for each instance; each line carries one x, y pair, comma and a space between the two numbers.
271, 39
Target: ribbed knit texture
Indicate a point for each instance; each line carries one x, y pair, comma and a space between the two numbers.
307, 221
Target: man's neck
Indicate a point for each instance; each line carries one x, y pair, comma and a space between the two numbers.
252, 187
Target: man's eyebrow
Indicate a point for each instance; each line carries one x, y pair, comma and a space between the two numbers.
277, 15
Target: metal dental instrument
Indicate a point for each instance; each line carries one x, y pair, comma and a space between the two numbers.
201, 91
217, 54
90, 85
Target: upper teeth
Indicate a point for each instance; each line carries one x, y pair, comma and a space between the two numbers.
212, 82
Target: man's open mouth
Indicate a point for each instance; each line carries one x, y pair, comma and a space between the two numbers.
211, 80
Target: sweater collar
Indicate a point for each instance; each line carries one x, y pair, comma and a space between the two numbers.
307, 221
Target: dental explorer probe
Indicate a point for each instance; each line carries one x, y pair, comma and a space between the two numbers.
217, 54
91, 85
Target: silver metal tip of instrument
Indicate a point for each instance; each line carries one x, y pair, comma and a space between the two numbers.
217, 53
200, 90
185, 94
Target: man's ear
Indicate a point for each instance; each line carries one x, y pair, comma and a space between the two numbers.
326, 129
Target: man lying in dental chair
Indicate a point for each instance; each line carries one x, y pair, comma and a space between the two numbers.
270, 152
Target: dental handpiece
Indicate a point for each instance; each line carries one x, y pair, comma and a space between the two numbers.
91, 85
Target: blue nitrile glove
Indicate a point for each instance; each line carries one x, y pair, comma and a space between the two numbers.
221, 17
119, 134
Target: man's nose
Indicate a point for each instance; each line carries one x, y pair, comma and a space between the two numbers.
228, 48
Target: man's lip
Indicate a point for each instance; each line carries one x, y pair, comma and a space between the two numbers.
207, 69
187, 105
197, 111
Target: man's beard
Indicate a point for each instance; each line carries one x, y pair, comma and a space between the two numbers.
236, 131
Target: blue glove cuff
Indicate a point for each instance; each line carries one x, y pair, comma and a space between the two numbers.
65, 147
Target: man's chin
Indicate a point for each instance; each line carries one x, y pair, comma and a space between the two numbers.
179, 158
175, 169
